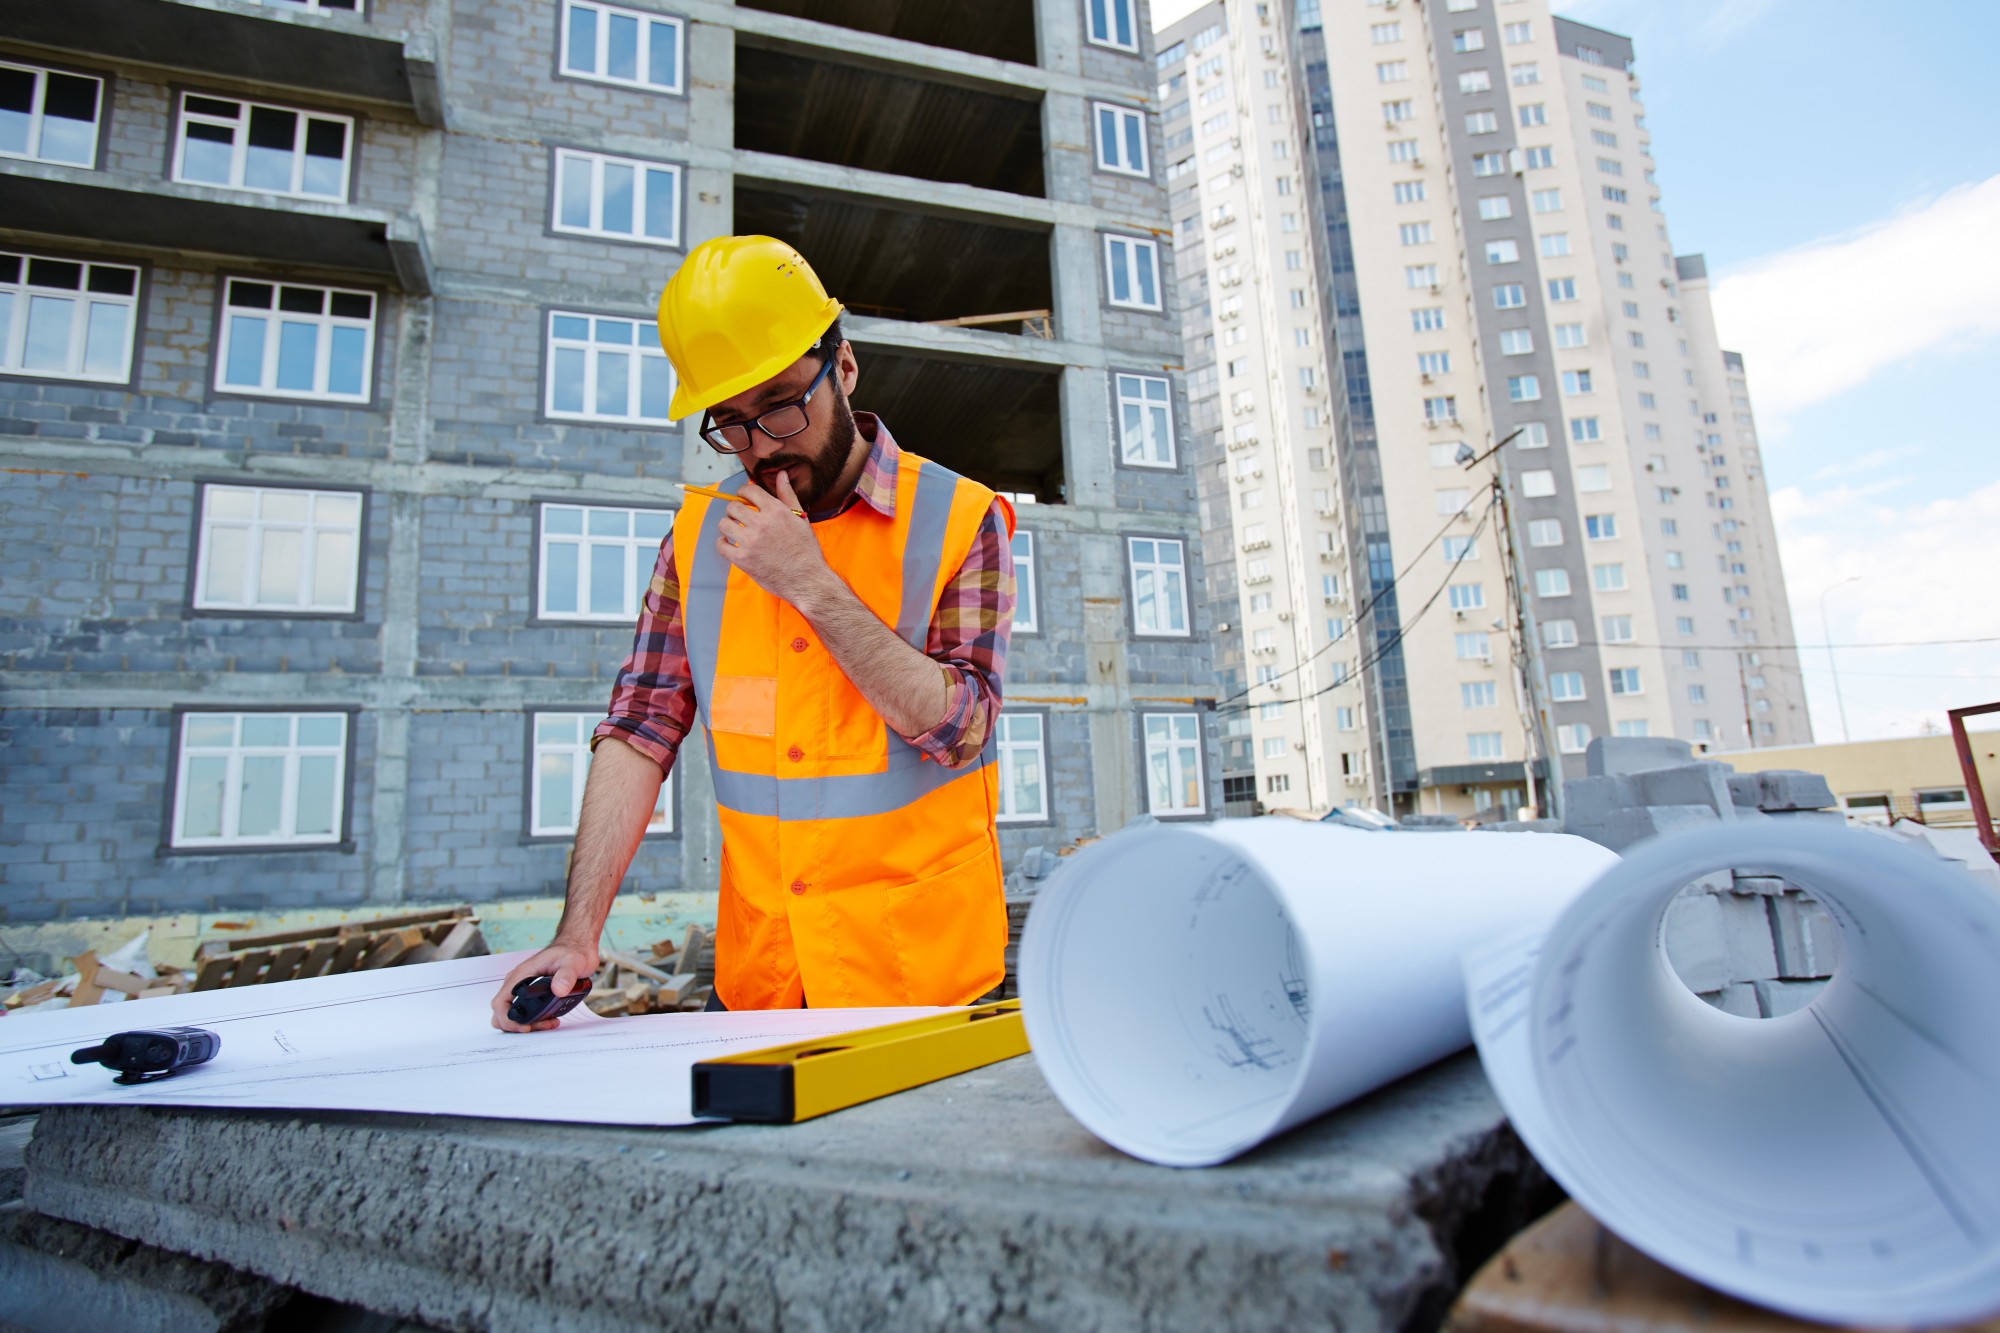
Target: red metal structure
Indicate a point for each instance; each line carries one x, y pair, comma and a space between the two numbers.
1961, 742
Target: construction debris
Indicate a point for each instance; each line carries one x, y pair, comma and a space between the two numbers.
673, 978
349, 946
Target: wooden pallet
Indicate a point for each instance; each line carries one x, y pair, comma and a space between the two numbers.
348, 946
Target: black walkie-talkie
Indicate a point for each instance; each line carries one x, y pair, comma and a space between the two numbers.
150, 1053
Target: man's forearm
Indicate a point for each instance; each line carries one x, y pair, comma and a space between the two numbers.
618, 800
910, 690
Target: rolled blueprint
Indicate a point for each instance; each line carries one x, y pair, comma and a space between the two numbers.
1191, 990
1839, 1163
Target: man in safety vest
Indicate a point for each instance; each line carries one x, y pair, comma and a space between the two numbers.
841, 628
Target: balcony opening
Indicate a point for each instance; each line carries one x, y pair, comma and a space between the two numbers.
798, 102
893, 262
1002, 29
997, 424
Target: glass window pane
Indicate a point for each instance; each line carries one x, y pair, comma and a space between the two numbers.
267, 162
570, 326
208, 730
1176, 608
278, 567
1159, 784
607, 580
104, 339
260, 794
231, 502
663, 66
656, 387
323, 176
568, 373
555, 728
618, 198
17, 105
201, 798
622, 48
322, 730
582, 41
610, 523
553, 785
47, 347
244, 362
613, 383
651, 524
267, 729
337, 509
313, 809
559, 569
615, 331
562, 519
1144, 259
1135, 147
298, 350
205, 154
225, 565
69, 120
6, 317
347, 361
286, 505
572, 191
660, 204
333, 569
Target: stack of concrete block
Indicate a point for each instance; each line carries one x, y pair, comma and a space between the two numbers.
1750, 944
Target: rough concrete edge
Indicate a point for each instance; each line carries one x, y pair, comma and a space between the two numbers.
1474, 1202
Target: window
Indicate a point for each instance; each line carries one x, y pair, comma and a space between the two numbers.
1509, 296
1441, 410
621, 46
1525, 73
49, 116
1473, 646
1573, 737
1635, 727
1516, 342
1381, 34
1534, 435
1494, 207
1395, 112
1502, 252
596, 563
1457, 550
272, 149
1274, 747
561, 767
1133, 267
1023, 768
1555, 245
1468, 39
1584, 430
1697, 694
1145, 420
620, 197
1547, 201
1343, 719
1679, 592
1467, 596
1559, 634
1514, 34
1625, 680
1630, 309
1562, 289
1545, 532
1523, 388
1027, 604
1684, 625
1937, 800
1427, 320
1543, 156
1597, 110
1121, 139
1392, 71
260, 779
1489, 164
277, 549
1570, 335
1475, 81
1420, 275
1414, 233
1400, 150
1409, 192
1453, 500
1604, 138
1478, 694
1277, 783
1481, 122
606, 369
1613, 194
1483, 745
1159, 586
1617, 629
1432, 364
67, 319
1173, 764
1575, 383
1533, 114
1608, 577
1600, 527
1675, 560
1551, 583
294, 341
1566, 686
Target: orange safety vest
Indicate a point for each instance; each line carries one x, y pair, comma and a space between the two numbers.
855, 870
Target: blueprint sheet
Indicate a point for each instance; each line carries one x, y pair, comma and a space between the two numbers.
411, 1039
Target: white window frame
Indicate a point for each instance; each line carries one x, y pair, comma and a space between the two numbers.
1009, 744
597, 166
1559, 634
38, 116
1151, 398
1552, 582
1026, 594
1112, 23
277, 320
1618, 675
642, 351
1485, 745
601, 42
1566, 687
257, 529
1115, 153
576, 749
1572, 737
234, 754
239, 146
637, 552
24, 297
1122, 259
1160, 579
1177, 749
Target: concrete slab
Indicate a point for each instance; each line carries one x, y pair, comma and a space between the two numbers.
973, 1203
1610, 755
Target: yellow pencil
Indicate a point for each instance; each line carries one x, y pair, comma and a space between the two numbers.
714, 494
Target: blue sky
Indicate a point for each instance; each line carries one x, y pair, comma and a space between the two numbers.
1838, 163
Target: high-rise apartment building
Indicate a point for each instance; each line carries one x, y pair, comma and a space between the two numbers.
336, 423
1452, 214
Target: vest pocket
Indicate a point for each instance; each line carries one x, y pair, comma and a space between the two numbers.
745, 705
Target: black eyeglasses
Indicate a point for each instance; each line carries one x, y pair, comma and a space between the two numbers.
781, 422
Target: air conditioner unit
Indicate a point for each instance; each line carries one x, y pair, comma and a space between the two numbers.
1299, 745
1332, 599
1328, 557
1356, 779
1284, 615
1458, 615
1328, 513
1426, 377
1436, 289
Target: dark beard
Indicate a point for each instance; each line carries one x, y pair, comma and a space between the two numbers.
823, 468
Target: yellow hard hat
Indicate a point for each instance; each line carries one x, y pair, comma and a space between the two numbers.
739, 311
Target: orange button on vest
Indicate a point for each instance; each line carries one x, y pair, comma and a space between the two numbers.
814, 790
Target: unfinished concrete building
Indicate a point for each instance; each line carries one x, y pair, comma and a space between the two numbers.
336, 428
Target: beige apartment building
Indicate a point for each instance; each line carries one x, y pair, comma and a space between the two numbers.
1405, 234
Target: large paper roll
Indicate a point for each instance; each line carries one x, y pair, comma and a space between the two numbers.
1191, 990
1839, 1163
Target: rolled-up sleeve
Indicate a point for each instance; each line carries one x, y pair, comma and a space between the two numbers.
652, 702
968, 640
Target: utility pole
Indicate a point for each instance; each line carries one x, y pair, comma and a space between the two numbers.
1743, 687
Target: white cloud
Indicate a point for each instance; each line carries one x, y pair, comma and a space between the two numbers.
1818, 320
1872, 461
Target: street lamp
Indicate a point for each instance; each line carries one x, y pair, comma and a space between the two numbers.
1826, 632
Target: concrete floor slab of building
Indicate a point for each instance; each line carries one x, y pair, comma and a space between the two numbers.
975, 1202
